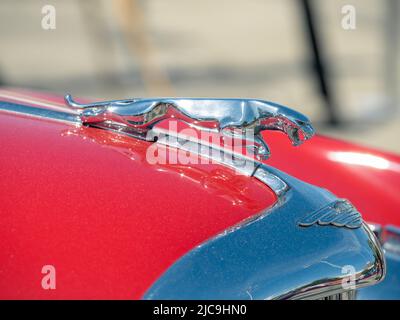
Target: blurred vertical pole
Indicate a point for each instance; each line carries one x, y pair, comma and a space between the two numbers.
391, 55
2, 82
100, 39
132, 22
319, 63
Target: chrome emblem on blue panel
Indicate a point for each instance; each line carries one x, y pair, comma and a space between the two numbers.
340, 213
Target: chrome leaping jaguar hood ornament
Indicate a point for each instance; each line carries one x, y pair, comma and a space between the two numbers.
232, 117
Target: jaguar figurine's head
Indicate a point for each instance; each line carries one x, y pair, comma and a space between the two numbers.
263, 115
296, 125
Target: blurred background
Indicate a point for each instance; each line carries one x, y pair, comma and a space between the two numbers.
344, 74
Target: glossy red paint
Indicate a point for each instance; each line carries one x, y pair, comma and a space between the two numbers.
86, 201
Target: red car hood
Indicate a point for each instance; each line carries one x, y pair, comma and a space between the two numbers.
86, 201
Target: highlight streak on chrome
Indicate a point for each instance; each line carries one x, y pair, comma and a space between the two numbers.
39, 112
